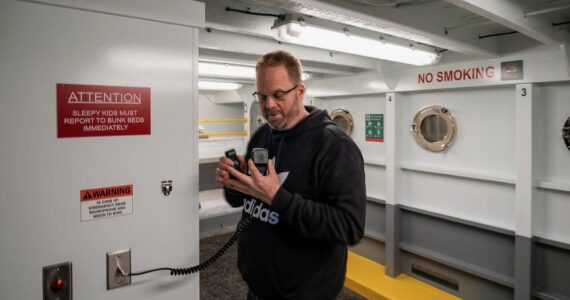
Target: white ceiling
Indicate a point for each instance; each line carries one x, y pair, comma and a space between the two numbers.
461, 30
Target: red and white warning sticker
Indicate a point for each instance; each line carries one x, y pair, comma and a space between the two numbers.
106, 202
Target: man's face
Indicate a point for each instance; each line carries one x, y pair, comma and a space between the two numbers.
287, 110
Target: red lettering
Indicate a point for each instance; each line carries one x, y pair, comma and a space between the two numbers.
457, 75
490, 72
448, 75
439, 76
479, 73
423, 78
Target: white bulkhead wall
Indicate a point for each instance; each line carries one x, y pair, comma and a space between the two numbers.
481, 177
126, 43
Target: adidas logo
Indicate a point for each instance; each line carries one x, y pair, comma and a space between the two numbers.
259, 212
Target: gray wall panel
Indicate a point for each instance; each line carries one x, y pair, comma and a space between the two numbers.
208, 176
375, 219
393, 236
468, 287
474, 246
552, 270
372, 249
523, 267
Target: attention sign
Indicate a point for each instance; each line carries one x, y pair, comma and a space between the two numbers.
100, 203
98, 110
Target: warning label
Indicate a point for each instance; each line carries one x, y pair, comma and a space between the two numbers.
96, 110
106, 202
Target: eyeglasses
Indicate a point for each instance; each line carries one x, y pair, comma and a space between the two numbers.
278, 95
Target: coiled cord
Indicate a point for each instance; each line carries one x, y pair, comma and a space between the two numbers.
197, 268
240, 228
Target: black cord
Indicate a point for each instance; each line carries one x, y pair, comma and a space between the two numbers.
149, 271
254, 13
197, 268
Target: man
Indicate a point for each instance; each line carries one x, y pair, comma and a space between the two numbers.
311, 203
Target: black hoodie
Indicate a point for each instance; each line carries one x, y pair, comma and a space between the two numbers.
297, 247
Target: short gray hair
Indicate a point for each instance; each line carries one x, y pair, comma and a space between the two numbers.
282, 58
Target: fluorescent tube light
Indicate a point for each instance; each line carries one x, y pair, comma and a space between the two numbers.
297, 31
225, 70
217, 86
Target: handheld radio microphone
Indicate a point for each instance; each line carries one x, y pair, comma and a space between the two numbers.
231, 154
260, 158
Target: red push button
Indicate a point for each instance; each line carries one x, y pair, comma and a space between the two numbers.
57, 286
57, 282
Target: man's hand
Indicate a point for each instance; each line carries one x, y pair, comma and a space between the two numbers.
261, 187
225, 164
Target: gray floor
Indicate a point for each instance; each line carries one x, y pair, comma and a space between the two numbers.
222, 280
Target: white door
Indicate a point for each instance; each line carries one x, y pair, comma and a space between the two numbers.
42, 175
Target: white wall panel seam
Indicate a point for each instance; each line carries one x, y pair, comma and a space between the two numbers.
393, 147
195, 168
525, 190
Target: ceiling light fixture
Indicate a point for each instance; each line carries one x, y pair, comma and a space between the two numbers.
225, 70
294, 29
217, 86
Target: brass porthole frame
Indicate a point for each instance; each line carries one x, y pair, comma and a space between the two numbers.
341, 113
442, 112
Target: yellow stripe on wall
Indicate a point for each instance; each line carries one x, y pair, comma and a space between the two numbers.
223, 133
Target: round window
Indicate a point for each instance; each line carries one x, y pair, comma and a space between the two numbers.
434, 128
566, 133
343, 119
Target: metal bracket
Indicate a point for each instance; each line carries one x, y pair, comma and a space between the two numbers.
118, 268
166, 187
566, 133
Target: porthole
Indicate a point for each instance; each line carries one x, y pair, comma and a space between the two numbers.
566, 133
343, 119
434, 128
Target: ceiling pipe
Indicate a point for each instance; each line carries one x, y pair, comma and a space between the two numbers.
545, 11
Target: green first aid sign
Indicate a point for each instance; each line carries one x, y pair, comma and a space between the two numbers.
375, 128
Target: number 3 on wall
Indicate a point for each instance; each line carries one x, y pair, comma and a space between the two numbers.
523, 92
